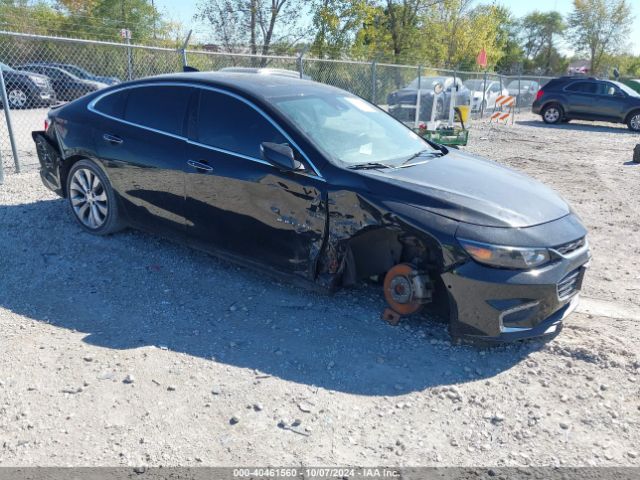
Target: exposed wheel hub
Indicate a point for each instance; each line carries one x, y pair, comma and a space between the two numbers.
406, 290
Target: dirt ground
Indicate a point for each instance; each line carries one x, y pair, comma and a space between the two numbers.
130, 350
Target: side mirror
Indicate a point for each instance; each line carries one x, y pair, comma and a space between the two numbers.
280, 155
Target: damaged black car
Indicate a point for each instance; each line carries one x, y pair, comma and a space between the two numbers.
319, 185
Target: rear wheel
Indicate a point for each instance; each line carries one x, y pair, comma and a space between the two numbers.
92, 199
634, 122
552, 114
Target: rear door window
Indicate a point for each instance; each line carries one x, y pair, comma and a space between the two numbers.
162, 108
230, 124
583, 87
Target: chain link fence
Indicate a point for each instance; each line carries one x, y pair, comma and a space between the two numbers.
40, 71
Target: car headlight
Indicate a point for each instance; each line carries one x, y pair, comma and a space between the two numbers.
505, 257
39, 81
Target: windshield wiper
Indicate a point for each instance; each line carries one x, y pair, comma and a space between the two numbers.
368, 166
434, 153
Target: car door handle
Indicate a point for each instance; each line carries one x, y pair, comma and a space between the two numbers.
112, 139
199, 166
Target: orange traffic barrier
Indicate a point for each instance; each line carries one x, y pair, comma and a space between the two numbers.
503, 102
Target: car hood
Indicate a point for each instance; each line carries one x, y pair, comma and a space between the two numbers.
470, 189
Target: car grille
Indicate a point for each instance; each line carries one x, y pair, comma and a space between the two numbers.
567, 248
570, 284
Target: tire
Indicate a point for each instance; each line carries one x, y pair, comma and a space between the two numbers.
633, 122
17, 98
92, 199
552, 114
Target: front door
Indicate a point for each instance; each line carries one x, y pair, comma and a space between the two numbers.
238, 202
611, 101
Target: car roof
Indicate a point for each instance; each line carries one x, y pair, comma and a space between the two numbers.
262, 71
265, 86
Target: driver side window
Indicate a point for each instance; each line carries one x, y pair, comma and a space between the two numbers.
230, 124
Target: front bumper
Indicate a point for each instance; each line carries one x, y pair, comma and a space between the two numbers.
45, 96
508, 305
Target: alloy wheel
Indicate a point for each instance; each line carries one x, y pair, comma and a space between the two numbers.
635, 122
17, 98
88, 198
552, 114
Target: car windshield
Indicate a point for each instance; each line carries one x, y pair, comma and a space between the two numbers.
427, 82
627, 89
475, 85
351, 131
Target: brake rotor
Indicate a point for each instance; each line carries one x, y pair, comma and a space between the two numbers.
405, 289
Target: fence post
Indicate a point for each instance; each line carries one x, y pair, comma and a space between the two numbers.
416, 122
374, 82
519, 89
1, 169
7, 116
453, 99
129, 59
484, 94
183, 50
300, 64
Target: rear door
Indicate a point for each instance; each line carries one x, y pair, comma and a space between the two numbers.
238, 202
582, 97
140, 137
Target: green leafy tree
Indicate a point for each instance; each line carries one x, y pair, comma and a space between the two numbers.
599, 28
336, 23
539, 32
508, 41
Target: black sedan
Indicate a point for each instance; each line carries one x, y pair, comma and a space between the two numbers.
316, 184
66, 85
26, 89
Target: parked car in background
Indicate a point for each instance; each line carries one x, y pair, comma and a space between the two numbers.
402, 103
525, 91
568, 98
66, 85
27, 89
634, 83
492, 91
84, 74
316, 184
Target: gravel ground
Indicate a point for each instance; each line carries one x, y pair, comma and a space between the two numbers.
131, 350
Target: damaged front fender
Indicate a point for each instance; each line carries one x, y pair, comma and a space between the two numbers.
367, 235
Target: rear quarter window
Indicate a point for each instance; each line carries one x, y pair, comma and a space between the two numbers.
113, 104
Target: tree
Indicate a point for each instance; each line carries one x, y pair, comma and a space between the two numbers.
539, 31
508, 41
257, 23
335, 23
599, 28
